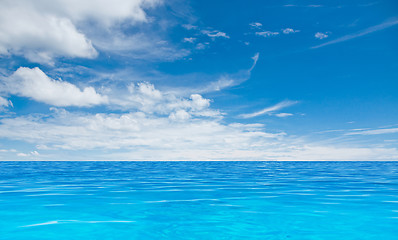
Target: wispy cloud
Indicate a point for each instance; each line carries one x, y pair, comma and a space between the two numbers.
190, 39
255, 59
309, 6
283, 114
387, 24
267, 33
374, 131
189, 26
215, 34
230, 80
270, 110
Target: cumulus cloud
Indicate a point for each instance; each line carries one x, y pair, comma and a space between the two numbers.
105, 11
289, 31
267, 33
43, 30
180, 115
320, 35
41, 37
270, 110
144, 97
35, 84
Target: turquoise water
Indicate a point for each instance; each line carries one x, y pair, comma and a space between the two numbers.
199, 200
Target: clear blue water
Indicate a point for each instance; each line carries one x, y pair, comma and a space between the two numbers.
199, 200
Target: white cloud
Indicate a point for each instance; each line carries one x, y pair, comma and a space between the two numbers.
179, 136
43, 30
386, 24
144, 97
139, 46
180, 115
201, 46
35, 84
66, 130
215, 34
189, 26
226, 80
341, 153
255, 59
221, 83
373, 131
256, 24
320, 35
33, 153
4, 102
267, 33
289, 31
40, 38
284, 114
270, 110
105, 11
7, 150
198, 102
190, 39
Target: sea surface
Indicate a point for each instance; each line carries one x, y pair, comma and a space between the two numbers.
198, 200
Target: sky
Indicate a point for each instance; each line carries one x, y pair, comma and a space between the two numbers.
198, 80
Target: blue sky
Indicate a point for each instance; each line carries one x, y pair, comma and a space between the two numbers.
198, 80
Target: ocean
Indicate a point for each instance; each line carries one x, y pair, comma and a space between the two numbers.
198, 200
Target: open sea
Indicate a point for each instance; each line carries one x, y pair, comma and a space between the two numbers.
198, 200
